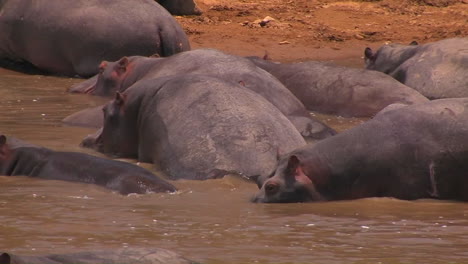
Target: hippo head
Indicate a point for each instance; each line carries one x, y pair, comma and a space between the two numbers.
288, 184
388, 57
111, 76
118, 135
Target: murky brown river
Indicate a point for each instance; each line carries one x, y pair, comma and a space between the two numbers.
211, 221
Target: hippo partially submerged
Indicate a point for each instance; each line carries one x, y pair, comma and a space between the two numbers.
19, 159
411, 152
196, 127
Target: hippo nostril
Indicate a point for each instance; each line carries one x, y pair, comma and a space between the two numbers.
271, 188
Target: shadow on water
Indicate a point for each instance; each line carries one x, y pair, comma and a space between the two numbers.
210, 221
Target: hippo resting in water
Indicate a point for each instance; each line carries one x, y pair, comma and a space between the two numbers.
73, 37
196, 127
119, 75
77, 167
412, 152
332, 89
119, 256
436, 70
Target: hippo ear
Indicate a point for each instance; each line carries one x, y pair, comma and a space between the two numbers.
121, 66
3, 140
5, 258
120, 98
369, 56
266, 56
294, 170
414, 43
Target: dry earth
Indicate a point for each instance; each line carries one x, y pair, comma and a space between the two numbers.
299, 30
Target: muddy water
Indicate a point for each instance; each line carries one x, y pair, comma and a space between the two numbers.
211, 221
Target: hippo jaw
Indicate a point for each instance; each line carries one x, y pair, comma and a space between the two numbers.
289, 184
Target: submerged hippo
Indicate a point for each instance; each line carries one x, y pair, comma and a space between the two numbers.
38, 162
411, 152
344, 91
119, 75
119, 256
73, 37
436, 70
196, 127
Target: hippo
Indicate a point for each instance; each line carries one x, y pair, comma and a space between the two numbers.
437, 70
39, 162
180, 7
410, 152
88, 117
195, 127
121, 74
118, 256
338, 90
72, 37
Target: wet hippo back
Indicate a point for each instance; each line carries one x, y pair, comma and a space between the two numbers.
198, 127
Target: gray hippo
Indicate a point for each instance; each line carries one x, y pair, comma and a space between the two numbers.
411, 152
119, 75
72, 37
180, 7
119, 256
21, 159
344, 91
436, 70
195, 127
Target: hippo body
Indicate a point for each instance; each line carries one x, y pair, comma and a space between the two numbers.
180, 7
54, 165
119, 75
119, 256
344, 91
72, 37
196, 127
411, 152
436, 70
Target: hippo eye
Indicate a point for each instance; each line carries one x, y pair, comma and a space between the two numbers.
271, 188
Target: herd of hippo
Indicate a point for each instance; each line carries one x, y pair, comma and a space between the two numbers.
203, 114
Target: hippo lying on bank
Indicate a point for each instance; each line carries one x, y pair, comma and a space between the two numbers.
119, 256
411, 152
436, 70
73, 37
196, 127
119, 75
344, 91
78, 167
180, 7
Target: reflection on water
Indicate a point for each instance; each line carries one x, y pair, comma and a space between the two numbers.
210, 221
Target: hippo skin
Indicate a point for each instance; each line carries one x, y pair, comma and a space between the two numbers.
180, 7
119, 256
71, 38
411, 152
338, 90
119, 75
436, 70
196, 127
39, 162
